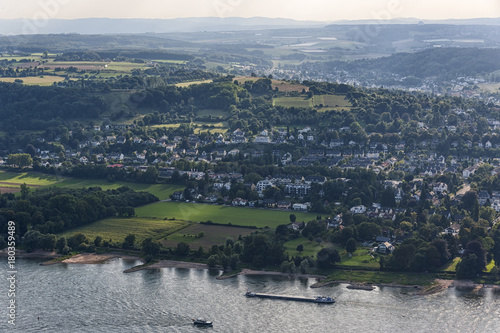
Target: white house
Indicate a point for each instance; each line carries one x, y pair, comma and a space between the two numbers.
386, 248
440, 187
468, 172
361, 209
299, 206
262, 139
398, 195
263, 184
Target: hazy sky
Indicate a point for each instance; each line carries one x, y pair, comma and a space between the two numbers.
322, 10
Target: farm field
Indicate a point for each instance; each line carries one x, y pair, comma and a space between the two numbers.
162, 191
220, 214
213, 235
170, 61
123, 66
47, 80
329, 102
117, 229
213, 113
282, 85
288, 102
187, 84
199, 127
491, 87
14, 180
34, 56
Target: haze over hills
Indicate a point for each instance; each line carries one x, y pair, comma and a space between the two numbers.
107, 25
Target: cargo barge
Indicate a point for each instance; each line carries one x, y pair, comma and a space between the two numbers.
315, 299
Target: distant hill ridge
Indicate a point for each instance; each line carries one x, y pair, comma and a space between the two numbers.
193, 24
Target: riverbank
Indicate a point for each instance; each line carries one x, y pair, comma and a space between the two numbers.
81, 258
437, 286
168, 264
38, 254
270, 273
433, 286
363, 286
465, 285
93, 258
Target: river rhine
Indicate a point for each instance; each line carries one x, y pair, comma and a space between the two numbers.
101, 298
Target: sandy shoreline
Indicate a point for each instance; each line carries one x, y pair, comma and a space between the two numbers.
247, 271
93, 258
168, 264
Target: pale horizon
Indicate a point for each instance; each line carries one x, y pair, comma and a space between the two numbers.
314, 10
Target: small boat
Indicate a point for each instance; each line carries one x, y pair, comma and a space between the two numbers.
202, 322
324, 299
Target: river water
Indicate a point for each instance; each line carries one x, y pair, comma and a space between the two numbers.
101, 298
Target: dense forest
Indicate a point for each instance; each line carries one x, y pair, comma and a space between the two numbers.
76, 42
440, 64
55, 210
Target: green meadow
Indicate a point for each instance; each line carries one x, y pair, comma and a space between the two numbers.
34, 179
329, 102
162, 191
360, 258
212, 235
194, 212
15, 179
117, 229
311, 248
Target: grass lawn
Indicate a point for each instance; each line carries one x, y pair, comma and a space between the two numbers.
452, 267
117, 229
490, 266
220, 214
214, 234
360, 258
311, 248
162, 191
